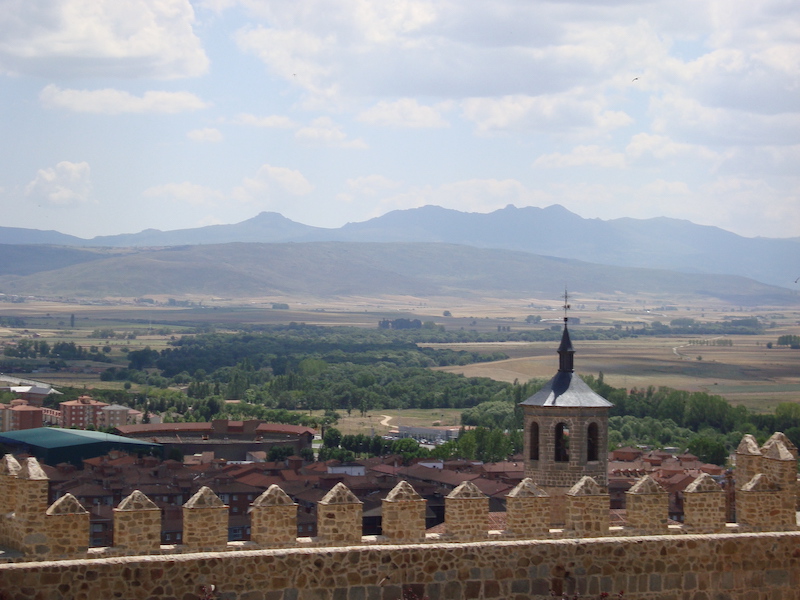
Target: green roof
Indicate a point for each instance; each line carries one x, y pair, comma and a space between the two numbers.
55, 437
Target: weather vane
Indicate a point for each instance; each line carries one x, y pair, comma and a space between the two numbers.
566, 305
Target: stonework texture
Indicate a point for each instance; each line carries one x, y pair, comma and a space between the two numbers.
763, 505
759, 566
205, 522
403, 514
704, 506
273, 518
548, 472
137, 525
703, 559
339, 517
527, 511
647, 505
466, 513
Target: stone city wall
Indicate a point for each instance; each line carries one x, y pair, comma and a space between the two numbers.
756, 566
701, 559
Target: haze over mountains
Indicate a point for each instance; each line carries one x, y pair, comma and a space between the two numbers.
501, 252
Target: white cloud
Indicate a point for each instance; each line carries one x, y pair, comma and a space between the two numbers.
114, 102
450, 49
324, 132
581, 156
406, 112
291, 54
553, 113
662, 147
371, 185
100, 38
271, 182
290, 180
186, 192
688, 119
66, 184
270, 185
659, 187
272, 121
209, 134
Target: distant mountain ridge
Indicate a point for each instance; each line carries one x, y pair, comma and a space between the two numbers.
660, 243
347, 269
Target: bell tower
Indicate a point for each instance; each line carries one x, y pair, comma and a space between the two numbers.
566, 430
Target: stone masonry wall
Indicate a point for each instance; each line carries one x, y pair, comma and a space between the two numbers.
757, 566
706, 558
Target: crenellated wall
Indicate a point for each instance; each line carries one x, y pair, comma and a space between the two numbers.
704, 558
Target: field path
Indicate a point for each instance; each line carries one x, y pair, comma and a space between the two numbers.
676, 349
385, 421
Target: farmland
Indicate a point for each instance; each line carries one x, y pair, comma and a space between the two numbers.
743, 370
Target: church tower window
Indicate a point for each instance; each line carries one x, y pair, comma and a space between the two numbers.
534, 441
592, 443
562, 443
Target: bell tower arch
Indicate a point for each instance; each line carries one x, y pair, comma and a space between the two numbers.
566, 430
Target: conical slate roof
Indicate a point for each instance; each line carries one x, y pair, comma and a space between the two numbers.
566, 389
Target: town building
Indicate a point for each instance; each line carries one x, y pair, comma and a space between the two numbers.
229, 440
35, 392
82, 413
566, 432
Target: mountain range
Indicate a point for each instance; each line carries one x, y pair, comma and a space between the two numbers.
347, 269
441, 251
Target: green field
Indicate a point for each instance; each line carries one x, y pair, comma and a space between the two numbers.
381, 423
746, 372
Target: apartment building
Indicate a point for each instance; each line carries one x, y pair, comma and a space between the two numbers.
82, 412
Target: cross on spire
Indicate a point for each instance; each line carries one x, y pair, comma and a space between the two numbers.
566, 306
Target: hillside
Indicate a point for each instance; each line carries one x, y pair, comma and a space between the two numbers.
335, 269
29, 259
659, 243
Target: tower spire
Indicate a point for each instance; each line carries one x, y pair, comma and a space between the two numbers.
566, 353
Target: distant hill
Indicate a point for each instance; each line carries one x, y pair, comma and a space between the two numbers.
340, 269
29, 259
19, 235
264, 227
659, 243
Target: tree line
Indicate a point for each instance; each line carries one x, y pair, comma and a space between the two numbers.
34, 348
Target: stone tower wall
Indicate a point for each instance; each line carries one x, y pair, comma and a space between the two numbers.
549, 473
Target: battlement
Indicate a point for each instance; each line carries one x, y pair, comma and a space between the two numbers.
35, 532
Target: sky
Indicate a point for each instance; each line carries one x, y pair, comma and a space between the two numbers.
122, 115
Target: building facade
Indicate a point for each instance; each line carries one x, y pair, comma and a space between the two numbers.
82, 412
566, 432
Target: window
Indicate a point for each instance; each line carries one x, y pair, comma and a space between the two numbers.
592, 442
534, 441
562, 443
235, 497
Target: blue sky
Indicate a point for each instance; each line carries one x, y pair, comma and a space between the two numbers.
122, 115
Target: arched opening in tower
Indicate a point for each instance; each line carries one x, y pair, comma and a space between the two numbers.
534, 442
592, 443
562, 443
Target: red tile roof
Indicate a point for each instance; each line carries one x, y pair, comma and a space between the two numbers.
164, 427
283, 428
